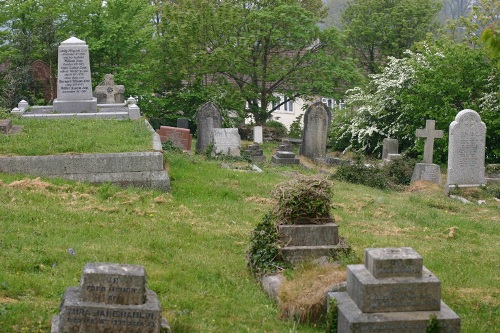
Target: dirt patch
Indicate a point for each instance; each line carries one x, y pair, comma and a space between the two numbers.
424, 186
303, 297
6, 300
383, 229
27, 183
264, 201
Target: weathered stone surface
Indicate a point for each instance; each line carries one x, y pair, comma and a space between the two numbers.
297, 254
182, 123
309, 234
107, 92
430, 134
74, 86
285, 159
113, 284
393, 262
393, 294
317, 119
389, 146
257, 135
466, 150
208, 118
180, 137
5, 126
428, 172
352, 320
227, 141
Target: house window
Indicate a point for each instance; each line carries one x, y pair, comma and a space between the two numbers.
289, 105
330, 102
275, 104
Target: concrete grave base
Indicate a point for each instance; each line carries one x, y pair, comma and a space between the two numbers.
284, 157
297, 254
352, 320
76, 106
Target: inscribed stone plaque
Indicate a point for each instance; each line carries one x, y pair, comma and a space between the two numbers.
316, 124
113, 284
393, 262
389, 146
227, 141
180, 137
466, 150
208, 118
74, 87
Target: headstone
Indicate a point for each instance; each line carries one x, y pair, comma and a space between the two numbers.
74, 87
182, 123
227, 141
257, 135
43, 75
466, 150
392, 292
255, 153
107, 92
180, 137
284, 157
317, 121
208, 118
111, 298
427, 170
389, 146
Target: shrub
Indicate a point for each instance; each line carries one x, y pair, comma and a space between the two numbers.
399, 171
280, 129
302, 197
361, 174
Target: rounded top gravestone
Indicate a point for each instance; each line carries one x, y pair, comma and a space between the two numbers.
208, 118
317, 121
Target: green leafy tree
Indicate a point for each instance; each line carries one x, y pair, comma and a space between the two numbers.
377, 29
251, 50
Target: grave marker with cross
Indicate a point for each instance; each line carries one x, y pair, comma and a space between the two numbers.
107, 92
429, 133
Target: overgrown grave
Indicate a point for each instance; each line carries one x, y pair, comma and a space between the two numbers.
296, 232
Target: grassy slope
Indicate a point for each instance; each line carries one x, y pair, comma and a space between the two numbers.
192, 243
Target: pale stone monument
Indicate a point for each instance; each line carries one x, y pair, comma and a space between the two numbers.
107, 92
74, 86
466, 150
428, 171
392, 292
227, 141
317, 119
257, 135
390, 149
208, 118
111, 298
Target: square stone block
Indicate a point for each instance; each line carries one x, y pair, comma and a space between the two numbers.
393, 294
393, 262
352, 320
309, 234
113, 284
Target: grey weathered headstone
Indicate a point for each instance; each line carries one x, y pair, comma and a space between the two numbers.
317, 119
107, 92
255, 153
389, 146
111, 298
74, 86
182, 123
392, 292
5, 126
466, 150
257, 135
428, 171
227, 141
208, 118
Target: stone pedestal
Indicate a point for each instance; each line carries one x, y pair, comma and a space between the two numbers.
428, 172
112, 298
283, 157
392, 292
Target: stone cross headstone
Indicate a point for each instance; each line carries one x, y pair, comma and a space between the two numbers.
317, 119
257, 135
180, 137
208, 118
392, 292
107, 92
429, 133
227, 141
111, 298
389, 147
466, 150
74, 87
427, 170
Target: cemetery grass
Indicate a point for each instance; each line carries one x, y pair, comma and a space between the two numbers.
65, 136
192, 243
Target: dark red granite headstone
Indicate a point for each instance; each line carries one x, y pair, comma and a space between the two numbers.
180, 137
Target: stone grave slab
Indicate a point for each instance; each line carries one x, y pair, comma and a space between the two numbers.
258, 135
227, 141
74, 86
180, 137
317, 119
284, 158
112, 298
256, 154
208, 117
466, 150
392, 292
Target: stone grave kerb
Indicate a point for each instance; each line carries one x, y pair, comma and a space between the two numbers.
430, 134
